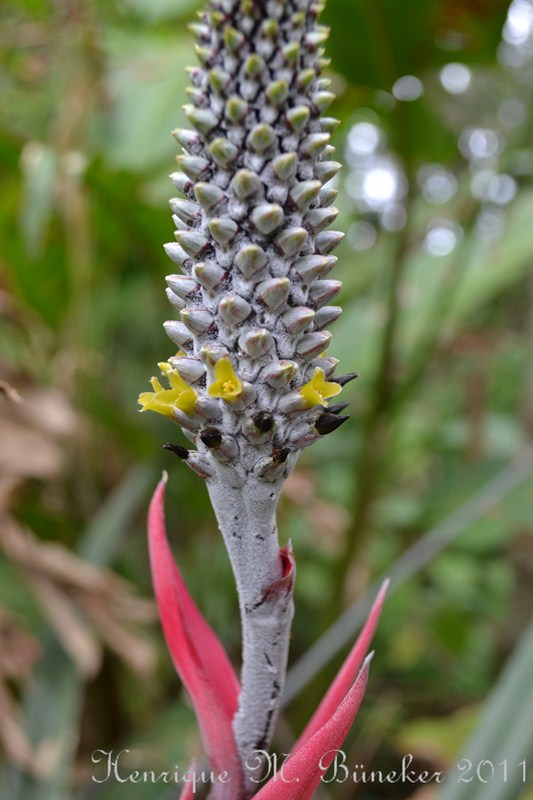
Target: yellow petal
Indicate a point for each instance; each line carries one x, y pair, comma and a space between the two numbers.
311, 396
316, 391
145, 398
177, 382
224, 370
226, 385
186, 400
331, 389
160, 408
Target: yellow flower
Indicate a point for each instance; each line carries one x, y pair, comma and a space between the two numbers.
227, 385
164, 401
318, 390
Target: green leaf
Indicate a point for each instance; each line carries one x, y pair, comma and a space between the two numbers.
40, 172
394, 39
504, 734
161, 9
145, 76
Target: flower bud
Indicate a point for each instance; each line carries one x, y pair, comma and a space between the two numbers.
177, 332
234, 309
326, 170
203, 119
177, 254
310, 267
223, 151
250, 259
187, 211
291, 240
262, 137
314, 144
223, 230
327, 196
326, 316
182, 285
196, 167
298, 117
274, 292
197, 319
322, 291
194, 243
296, 320
280, 373
303, 194
319, 218
326, 241
311, 344
190, 369
284, 166
256, 342
267, 218
245, 183
208, 195
182, 182
209, 274
175, 301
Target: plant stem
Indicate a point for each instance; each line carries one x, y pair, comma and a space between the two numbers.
246, 516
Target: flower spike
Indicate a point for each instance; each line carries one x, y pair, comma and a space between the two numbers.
253, 245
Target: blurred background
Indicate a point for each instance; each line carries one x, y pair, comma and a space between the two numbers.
430, 481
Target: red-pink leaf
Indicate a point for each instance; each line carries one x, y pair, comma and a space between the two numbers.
305, 767
198, 655
188, 791
348, 671
288, 570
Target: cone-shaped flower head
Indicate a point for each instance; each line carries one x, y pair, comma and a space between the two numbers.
250, 238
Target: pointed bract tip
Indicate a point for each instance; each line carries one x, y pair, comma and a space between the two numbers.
342, 380
368, 660
327, 423
178, 450
383, 589
336, 408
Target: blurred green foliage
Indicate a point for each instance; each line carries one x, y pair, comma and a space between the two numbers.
443, 344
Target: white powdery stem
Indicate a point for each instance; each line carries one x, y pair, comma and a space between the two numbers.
246, 517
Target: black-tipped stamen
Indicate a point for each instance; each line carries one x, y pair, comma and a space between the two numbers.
263, 421
328, 423
177, 449
342, 380
336, 408
211, 437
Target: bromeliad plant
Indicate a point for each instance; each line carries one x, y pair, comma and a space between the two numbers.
251, 382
